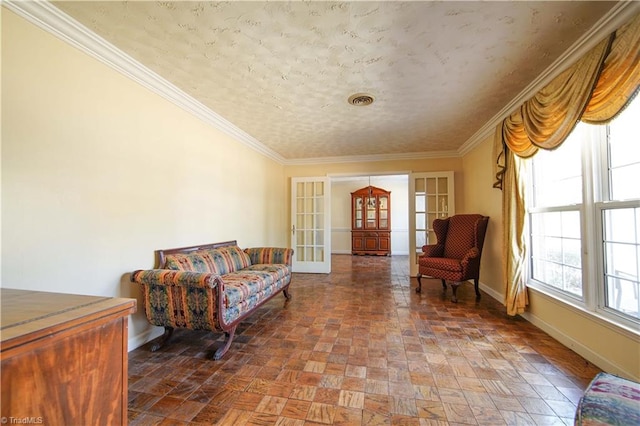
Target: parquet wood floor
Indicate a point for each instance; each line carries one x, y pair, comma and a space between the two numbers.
360, 347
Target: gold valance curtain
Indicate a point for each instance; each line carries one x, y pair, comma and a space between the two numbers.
593, 90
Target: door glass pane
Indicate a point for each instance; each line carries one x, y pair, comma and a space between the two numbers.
443, 185
432, 185
432, 203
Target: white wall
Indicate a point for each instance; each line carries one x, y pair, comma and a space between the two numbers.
98, 172
341, 189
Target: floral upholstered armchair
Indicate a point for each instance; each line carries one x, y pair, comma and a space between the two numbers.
456, 256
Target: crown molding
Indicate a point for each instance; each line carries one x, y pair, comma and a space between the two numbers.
614, 19
372, 158
49, 18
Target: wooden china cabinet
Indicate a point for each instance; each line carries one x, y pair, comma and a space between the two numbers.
371, 221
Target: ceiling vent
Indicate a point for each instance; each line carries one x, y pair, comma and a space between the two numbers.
360, 99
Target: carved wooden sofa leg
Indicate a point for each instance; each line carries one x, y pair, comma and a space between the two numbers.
475, 283
419, 288
227, 343
160, 341
286, 293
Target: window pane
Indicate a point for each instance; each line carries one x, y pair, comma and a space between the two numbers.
624, 184
624, 154
557, 175
619, 225
556, 250
622, 295
621, 256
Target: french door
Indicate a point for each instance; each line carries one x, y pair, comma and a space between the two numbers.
431, 196
311, 224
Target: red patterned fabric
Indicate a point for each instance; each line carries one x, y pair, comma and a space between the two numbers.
456, 255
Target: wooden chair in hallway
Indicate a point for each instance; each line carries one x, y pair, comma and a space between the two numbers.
456, 255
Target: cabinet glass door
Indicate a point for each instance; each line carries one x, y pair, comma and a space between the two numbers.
383, 201
372, 219
358, 213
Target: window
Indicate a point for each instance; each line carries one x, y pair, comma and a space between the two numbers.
584, 218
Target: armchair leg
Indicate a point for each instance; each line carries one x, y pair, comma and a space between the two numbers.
454, 287
160, 341
444, 285
475, 283
228, 338
419, 288
286, 293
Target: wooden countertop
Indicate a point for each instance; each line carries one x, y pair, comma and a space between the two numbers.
28, 315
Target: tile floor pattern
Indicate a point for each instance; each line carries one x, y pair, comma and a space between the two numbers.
360, 347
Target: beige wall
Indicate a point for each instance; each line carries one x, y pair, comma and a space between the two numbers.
480, 197
607, 346
98, 172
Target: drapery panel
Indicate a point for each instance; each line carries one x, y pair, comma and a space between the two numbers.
593, 90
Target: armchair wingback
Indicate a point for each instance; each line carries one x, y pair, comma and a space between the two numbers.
456, 255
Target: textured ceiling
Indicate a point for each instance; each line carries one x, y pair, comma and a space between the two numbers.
282, 71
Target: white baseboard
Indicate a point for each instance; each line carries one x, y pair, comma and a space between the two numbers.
578, 347
566, 340
144, 337
491, 292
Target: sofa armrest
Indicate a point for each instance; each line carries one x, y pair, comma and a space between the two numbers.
433, 250
169, 277
270, 255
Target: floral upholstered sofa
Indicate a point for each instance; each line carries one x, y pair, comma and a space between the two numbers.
211, 287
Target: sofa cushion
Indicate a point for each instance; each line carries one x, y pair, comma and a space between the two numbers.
229, 259
240, 286
278, 270
609, 400
441, 263
242, 296
198, 261
215, 261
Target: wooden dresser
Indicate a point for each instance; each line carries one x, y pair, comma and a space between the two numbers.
64, 358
